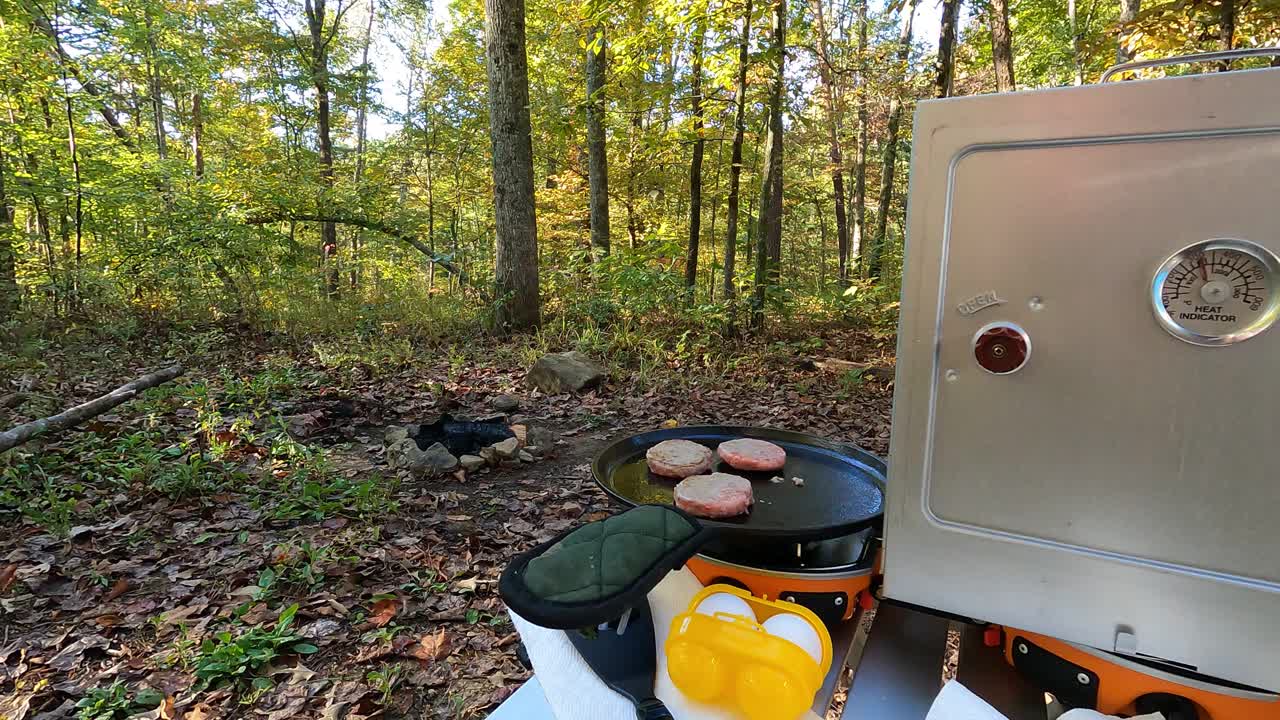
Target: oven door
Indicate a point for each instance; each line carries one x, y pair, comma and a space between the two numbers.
1119, 489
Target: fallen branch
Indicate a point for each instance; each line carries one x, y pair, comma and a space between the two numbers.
381, 227
78, 414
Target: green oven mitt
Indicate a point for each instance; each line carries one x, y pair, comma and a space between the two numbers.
591, 574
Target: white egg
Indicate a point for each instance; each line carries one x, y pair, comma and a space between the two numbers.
796, 630
726, 603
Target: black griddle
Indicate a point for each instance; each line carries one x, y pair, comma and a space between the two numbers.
843, 490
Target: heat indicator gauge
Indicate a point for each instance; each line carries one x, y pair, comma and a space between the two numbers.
1217, 292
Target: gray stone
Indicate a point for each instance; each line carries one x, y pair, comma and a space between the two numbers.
394, 434
506, 403
471, 463
525, 456
565, 372
435, 460
400, 453
506, 449
489, 455
541, 436
533, 450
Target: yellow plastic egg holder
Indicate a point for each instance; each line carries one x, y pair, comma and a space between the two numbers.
730, 661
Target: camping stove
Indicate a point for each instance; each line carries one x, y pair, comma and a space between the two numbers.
1087, 394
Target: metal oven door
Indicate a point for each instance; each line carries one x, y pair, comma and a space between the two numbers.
1083, 446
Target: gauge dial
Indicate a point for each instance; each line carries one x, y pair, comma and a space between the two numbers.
1217, 292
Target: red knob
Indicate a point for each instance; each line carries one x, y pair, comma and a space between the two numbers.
1001, 349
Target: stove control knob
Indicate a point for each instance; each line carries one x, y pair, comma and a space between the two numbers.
1001, 348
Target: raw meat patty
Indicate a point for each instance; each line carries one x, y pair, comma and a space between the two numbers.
718, 495
749, 454
679, 458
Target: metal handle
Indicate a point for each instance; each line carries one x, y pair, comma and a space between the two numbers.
1184, 59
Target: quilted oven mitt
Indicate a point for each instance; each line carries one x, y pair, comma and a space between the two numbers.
591, 574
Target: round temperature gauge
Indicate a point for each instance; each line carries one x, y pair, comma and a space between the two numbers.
1217, 292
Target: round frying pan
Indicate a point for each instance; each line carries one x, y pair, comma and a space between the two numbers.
843, 489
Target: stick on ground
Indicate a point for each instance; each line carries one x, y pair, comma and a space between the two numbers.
78, 414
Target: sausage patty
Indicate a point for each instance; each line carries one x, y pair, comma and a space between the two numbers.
718, 495
679, 458
751, 454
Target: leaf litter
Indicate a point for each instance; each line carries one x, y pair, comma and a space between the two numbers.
397, 602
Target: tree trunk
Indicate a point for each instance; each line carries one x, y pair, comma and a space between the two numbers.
1226, 30
860, 157
362, 131
157, 97
1128, 14
1001, 45
947, 47
735, 169
316, 11
1077, 55
875, 259
833, 135
516, 262
695, 164
769, 240
598, 161
9, 296
197, 132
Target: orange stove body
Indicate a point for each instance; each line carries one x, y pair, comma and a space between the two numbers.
837, 593
1120, 683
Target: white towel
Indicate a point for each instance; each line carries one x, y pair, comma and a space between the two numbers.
956, 702
575, 693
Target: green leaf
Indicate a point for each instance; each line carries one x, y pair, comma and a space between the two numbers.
305, 649
262, 683
148, 697
473, 616
286, 618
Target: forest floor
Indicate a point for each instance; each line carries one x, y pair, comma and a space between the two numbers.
149, 560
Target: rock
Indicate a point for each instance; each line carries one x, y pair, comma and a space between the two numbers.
435, 460
400, 452
525, 456
471, 463
489, 455
506, 403
533, 450
541, 436
507, 449
565, 372
522, 432
394, 434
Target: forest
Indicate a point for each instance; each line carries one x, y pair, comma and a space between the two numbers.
306, 225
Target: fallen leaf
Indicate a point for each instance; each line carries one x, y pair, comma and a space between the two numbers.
383, 611
108, 620
8, 575
430, 647
468, 585
669, 424
71, 655
119, 588
376, 651
200, 711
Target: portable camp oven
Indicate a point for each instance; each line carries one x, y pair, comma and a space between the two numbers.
1087, 393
